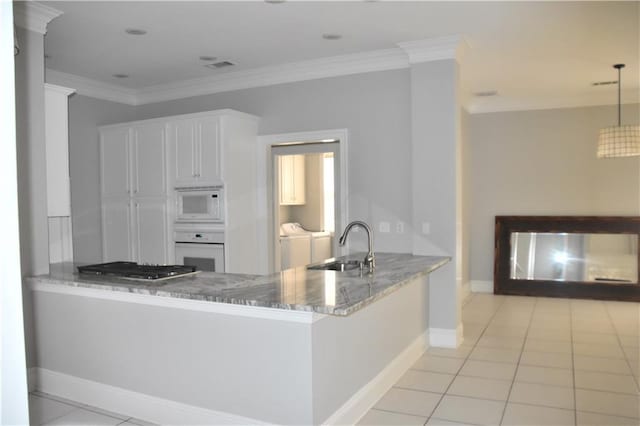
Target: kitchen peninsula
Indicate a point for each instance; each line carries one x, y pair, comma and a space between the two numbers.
296, 347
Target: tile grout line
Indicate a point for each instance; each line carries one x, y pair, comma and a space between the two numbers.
466, 358
78, 406
635, 379
573, 367
515, 374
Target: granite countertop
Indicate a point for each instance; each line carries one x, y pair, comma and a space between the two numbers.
325, 292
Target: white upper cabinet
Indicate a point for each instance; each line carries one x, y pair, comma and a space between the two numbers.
182, 135
114, 161
133, 161
149, 165
209, 157
195, 149
292, 180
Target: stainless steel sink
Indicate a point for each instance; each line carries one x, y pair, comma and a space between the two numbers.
338, 265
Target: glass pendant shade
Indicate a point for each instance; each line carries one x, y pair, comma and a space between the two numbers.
619, 141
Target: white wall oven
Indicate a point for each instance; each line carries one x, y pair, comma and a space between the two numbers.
199, 246
200, 204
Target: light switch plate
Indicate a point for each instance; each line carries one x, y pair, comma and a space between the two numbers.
385, 227
426, 228
400, 227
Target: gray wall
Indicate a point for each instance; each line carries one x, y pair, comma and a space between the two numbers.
544, 163
375, 107
85, 115
348, 352
435, 181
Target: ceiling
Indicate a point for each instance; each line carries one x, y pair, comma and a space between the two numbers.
535, 54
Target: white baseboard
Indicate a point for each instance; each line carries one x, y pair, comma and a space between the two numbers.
134, 404
446, 337
360, 403
478, 286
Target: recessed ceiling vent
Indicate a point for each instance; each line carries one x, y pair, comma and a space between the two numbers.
220, 64
486, 93
604, 83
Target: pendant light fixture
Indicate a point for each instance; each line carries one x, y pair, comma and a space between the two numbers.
619, 141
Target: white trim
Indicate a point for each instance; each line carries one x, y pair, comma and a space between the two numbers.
377, 60
304, 317
164, 119
452, 47
505, 104
264, 208
93, 88
480, 286
446, 337
139, 405
60, 89
435, 49
465, 291
34, 16
365, 398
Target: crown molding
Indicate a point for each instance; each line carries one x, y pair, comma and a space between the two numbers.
500, 104
60, 89
435, 49
377, 60
33, 16
92, 88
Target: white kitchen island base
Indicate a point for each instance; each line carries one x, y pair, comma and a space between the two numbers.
174, 361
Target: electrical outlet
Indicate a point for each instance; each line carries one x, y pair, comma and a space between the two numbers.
385, 227
400, 227
426, 228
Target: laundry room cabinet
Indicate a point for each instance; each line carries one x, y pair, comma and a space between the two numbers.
292, 180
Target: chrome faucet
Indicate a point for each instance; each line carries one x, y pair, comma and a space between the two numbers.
369, 260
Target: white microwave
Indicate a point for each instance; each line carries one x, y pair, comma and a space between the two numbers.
200, 204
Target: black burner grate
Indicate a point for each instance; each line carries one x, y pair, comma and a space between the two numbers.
133, 270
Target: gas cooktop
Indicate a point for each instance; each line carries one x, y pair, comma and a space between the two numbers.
132, 270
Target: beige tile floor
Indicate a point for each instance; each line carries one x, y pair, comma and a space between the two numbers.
50, 410
526, 361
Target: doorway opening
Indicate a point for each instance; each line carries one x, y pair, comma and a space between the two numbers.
305, 202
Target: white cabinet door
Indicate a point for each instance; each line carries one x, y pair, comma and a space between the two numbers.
114, 161
116, 230
151, 234
183, 151
149, 166
208, 154
292, 180
195, 151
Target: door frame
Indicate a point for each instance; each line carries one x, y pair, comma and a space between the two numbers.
265, 179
